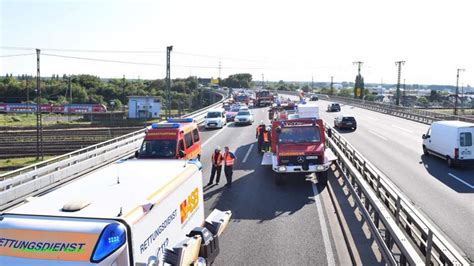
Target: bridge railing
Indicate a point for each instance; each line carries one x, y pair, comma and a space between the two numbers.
16, 186
414, 114
403, 233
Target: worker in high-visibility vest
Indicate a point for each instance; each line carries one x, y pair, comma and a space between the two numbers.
217, 160
229, 159
266, 139
259, 136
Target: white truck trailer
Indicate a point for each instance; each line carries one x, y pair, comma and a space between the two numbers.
128, 213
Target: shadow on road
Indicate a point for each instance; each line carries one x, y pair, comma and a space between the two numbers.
460, 178
255, 196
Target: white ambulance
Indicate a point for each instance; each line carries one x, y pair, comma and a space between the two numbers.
128, 213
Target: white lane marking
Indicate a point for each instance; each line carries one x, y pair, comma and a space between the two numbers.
404, 129
213, 136
324, 229
462, 181
378, 135
248, 153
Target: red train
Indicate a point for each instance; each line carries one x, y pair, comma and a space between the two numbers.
50, 108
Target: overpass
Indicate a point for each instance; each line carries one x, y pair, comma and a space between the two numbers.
303, 223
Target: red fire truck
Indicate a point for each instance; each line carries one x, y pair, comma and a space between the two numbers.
264, 98
298, 144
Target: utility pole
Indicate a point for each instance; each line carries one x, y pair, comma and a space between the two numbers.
168, 81
39, 119
359, 64
263, 81
70, 89
332, 86
27, 95
404, 94
358, 87
399, 64
462, 97
70, 96
123, 93
312, 83
220, 68
457, 91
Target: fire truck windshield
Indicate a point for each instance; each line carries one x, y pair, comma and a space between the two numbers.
299, 135
158, 149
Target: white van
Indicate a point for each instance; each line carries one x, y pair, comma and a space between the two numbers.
215, 118
450, 140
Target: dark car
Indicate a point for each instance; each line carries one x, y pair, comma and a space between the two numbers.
334, 107
345, 122
314, 98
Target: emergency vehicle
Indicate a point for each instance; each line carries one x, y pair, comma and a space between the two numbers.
133, 212
298, 143
263, 98
173, 139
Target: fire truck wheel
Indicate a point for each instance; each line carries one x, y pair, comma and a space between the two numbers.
279, 179
323, 177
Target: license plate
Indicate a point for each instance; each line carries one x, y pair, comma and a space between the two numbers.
348, 124
311, 157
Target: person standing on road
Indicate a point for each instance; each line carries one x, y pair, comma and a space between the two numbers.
216, 159
229, 159
259, 135
267, 139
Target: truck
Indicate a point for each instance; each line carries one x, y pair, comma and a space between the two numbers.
451, 141
298, 144
131, 212
263, 98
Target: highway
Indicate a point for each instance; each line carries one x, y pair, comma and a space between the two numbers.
270, 224
393, 145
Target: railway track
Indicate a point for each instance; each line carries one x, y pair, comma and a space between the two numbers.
22, 143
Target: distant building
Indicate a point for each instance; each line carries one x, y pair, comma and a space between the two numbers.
143, 107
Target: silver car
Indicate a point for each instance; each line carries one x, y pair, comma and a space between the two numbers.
243, 117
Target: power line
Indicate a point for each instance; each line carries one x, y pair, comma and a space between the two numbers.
85, 50
103, 60
13, 55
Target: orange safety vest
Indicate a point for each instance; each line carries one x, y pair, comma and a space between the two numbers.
265, 136
229, 161
219, 158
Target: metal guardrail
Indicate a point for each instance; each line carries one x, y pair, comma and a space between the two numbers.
414, 114
16, 186
403, 234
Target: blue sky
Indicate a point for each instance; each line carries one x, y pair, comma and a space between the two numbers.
285, 40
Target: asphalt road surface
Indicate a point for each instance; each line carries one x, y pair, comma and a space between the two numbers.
271, 225
393, 144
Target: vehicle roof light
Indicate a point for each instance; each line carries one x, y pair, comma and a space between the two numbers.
180, 120
165, 125
112, 238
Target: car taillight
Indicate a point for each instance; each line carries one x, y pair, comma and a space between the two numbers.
456, 153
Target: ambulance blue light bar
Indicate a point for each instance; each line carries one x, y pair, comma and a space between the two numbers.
165, 125
180, 120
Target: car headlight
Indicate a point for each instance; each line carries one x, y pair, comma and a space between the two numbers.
320, 167
281, 168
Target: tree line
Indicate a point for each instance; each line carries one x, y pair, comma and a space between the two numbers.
184, 93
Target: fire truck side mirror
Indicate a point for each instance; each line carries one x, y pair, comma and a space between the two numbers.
329, 133
136, 154
278, 130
